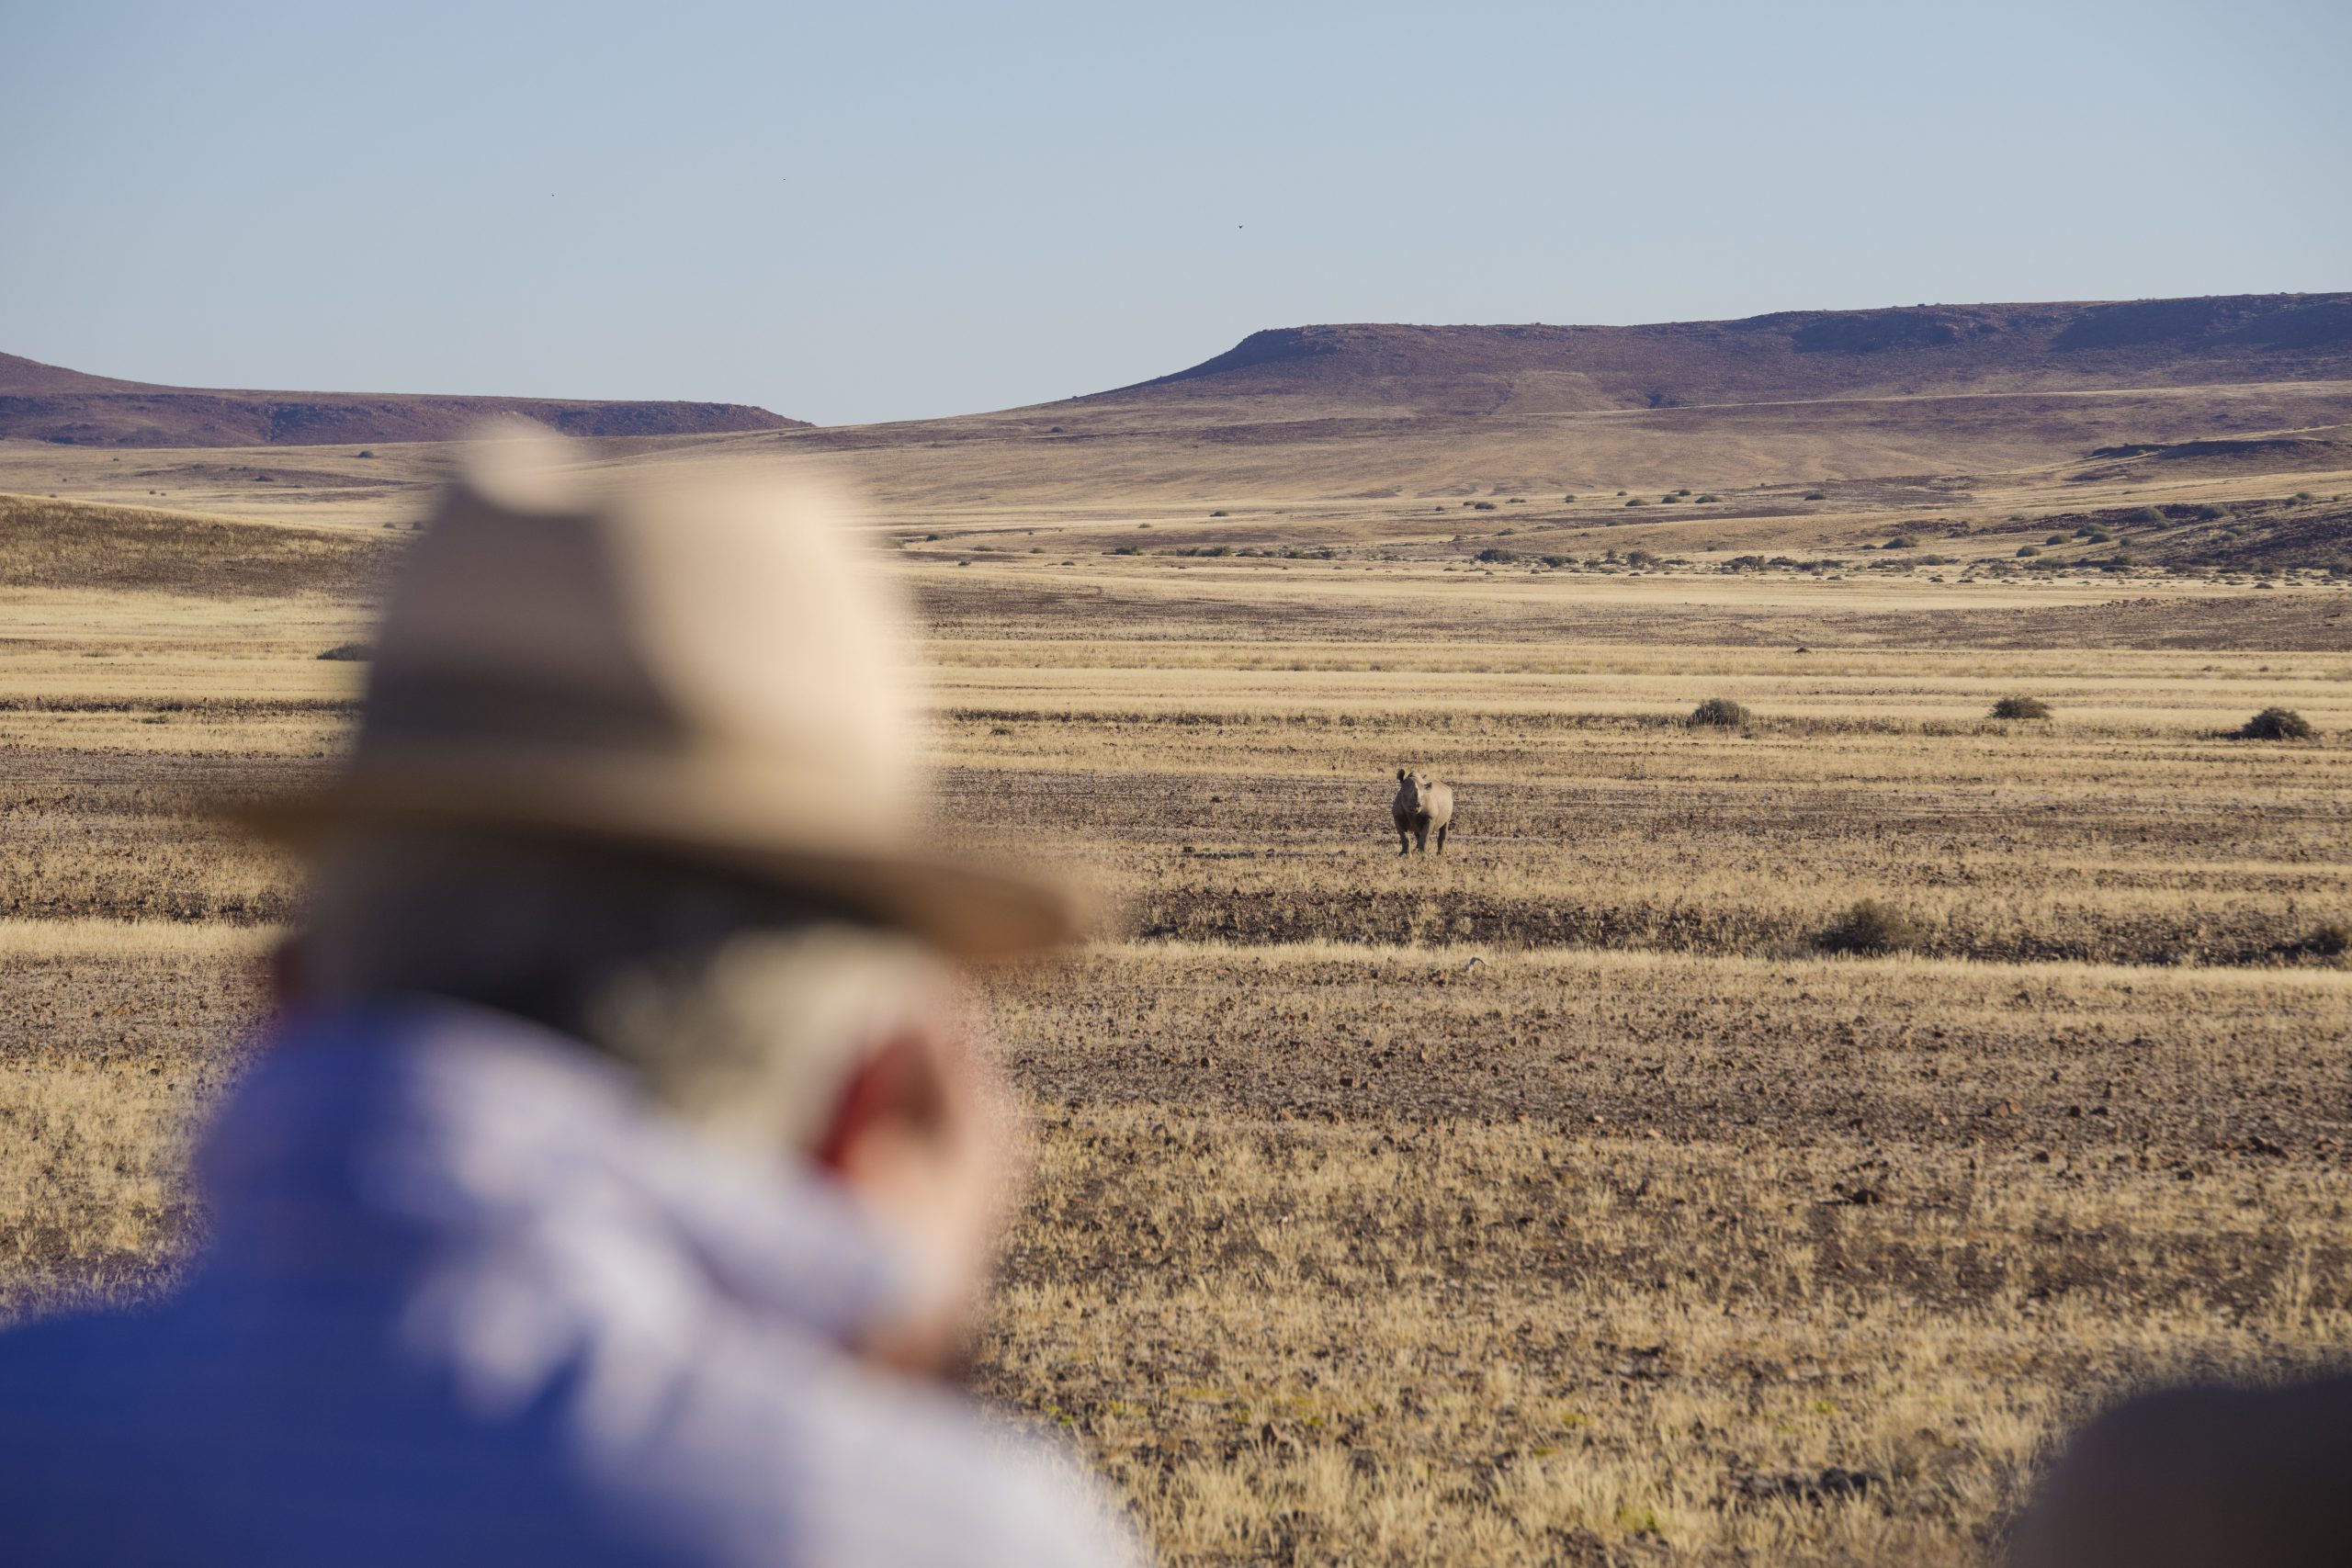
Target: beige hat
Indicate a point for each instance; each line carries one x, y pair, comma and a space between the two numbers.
698, 666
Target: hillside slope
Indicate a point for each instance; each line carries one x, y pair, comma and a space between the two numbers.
1792, 356
48, 402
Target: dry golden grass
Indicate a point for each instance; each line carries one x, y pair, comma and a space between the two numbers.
1552, 1200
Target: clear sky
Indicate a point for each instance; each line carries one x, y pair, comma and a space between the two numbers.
863, 211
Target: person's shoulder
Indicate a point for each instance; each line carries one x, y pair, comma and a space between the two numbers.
914, 1474
824, 1461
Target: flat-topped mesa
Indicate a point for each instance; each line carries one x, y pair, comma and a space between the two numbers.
1918, 350
48, 402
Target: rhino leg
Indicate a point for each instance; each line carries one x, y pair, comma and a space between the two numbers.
1440, 839
1404, 840
1421, 835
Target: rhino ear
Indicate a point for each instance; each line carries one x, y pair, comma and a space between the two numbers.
1400, 776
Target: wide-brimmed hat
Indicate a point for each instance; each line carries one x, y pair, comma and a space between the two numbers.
705, 666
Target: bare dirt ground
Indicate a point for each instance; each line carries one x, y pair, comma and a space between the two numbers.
1562, 1197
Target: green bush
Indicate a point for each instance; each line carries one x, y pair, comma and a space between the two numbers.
2029, 549
2277, 724
2057, 538
1708, 498
2146, 514
2209, 513
1870, 927
1721, 711
2022, 707
1637, 500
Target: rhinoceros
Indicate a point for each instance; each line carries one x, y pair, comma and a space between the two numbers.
1422, 804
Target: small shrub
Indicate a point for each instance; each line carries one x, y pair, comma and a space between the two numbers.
349, 653
1870, 927
2209, 513
2146, 514
1721, 711
1492, 554
1816, 495
1217, 513
1707, 499
2022, 707
2029, 549
2277, 724
1637, 500
2057, 538
1567, 498
363, 453
1901, 542
2333, 939
1482, 506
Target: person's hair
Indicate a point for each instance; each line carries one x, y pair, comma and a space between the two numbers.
742, 1006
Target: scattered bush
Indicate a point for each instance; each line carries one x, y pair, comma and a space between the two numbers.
1217, 513
363, 453
2057, 538
1482, 506
2209, 513
1816, 495
1901, 542
2277, 724
2331, 940
2022, 707
2146, 514
1870, 927
2029, 549
1492, 554
1567, 498
349, 652
1721, 711
1707, 499
1637, 500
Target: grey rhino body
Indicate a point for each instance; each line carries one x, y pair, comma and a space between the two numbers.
1421, 804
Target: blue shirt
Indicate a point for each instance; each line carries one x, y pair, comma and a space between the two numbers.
471, 1300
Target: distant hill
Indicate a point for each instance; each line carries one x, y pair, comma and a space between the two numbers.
46, 403
1790, 355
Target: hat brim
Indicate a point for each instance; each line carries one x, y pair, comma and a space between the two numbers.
966, 908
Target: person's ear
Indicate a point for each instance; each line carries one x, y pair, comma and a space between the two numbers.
890, 1091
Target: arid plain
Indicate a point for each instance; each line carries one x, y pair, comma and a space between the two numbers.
1604, 1190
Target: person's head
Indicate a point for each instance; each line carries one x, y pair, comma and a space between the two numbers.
636, 763
758, 1016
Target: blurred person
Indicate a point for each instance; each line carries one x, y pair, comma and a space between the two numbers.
622, 1177
2202, 1478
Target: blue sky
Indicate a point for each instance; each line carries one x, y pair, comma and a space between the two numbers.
892, 211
